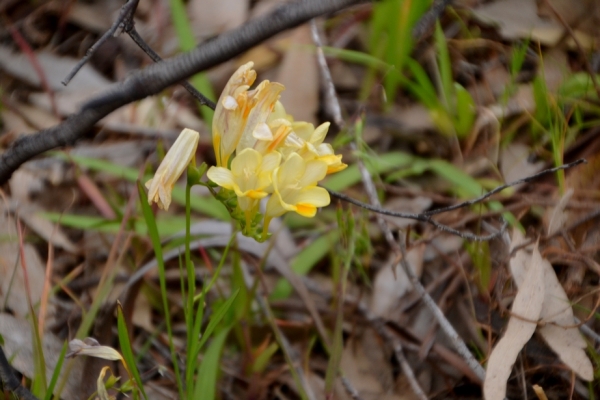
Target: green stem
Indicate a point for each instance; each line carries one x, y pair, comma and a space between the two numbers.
191, 290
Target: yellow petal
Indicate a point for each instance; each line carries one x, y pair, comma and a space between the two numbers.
314, 172
221, 176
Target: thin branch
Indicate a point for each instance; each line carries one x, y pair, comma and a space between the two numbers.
10, 381
134, 35
157, 77
352, 392
126, 12
453, 336
419, 217
428, 19
331, 101
426, 216
502, 187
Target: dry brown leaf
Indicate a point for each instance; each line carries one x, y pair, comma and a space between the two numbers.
299, 73
518, 19
526, 307
560, 331
514, 163
392, 283
213, 17
559, 216
14, 291
18, 346
55, 68
365, 364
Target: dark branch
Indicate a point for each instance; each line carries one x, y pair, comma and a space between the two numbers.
501, 188
157, 77
426, 216
203, 100
10, 381
126, 12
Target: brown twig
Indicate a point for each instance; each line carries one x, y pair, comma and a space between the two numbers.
429, 18
156, 77
126, 12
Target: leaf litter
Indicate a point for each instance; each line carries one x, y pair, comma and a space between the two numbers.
511, 139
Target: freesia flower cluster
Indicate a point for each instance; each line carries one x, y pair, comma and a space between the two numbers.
260, 152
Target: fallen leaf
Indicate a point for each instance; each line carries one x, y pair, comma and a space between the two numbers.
300, 76
526, 310
560, 331
392, 283
55, 68
14, 286
518, 19
514, 163
18, 346
559, 217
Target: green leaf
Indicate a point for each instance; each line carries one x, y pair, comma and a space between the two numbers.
305, 261
57, 370
187, 42
381, 164
206, 381
207, 205
216, 318
465, 111
127, 351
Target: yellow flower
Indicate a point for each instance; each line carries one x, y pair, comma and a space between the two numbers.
294, 184
307, 141
241, 115
249, 177
172, 166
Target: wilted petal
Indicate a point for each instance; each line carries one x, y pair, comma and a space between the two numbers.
172, 166
228, 120
261, 103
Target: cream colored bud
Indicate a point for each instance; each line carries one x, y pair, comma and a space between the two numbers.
170, 169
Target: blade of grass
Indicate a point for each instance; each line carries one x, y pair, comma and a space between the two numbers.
155, 239
305, 261
207, 205
56, 373
206, 382
127, 351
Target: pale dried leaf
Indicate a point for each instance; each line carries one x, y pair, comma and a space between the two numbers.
55, 68
18, 345
13, 288
300, 76
365, 364
47, 230
213, 17
559, 217
526, 307
560, 331
514, 163
518, 19
392, 283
